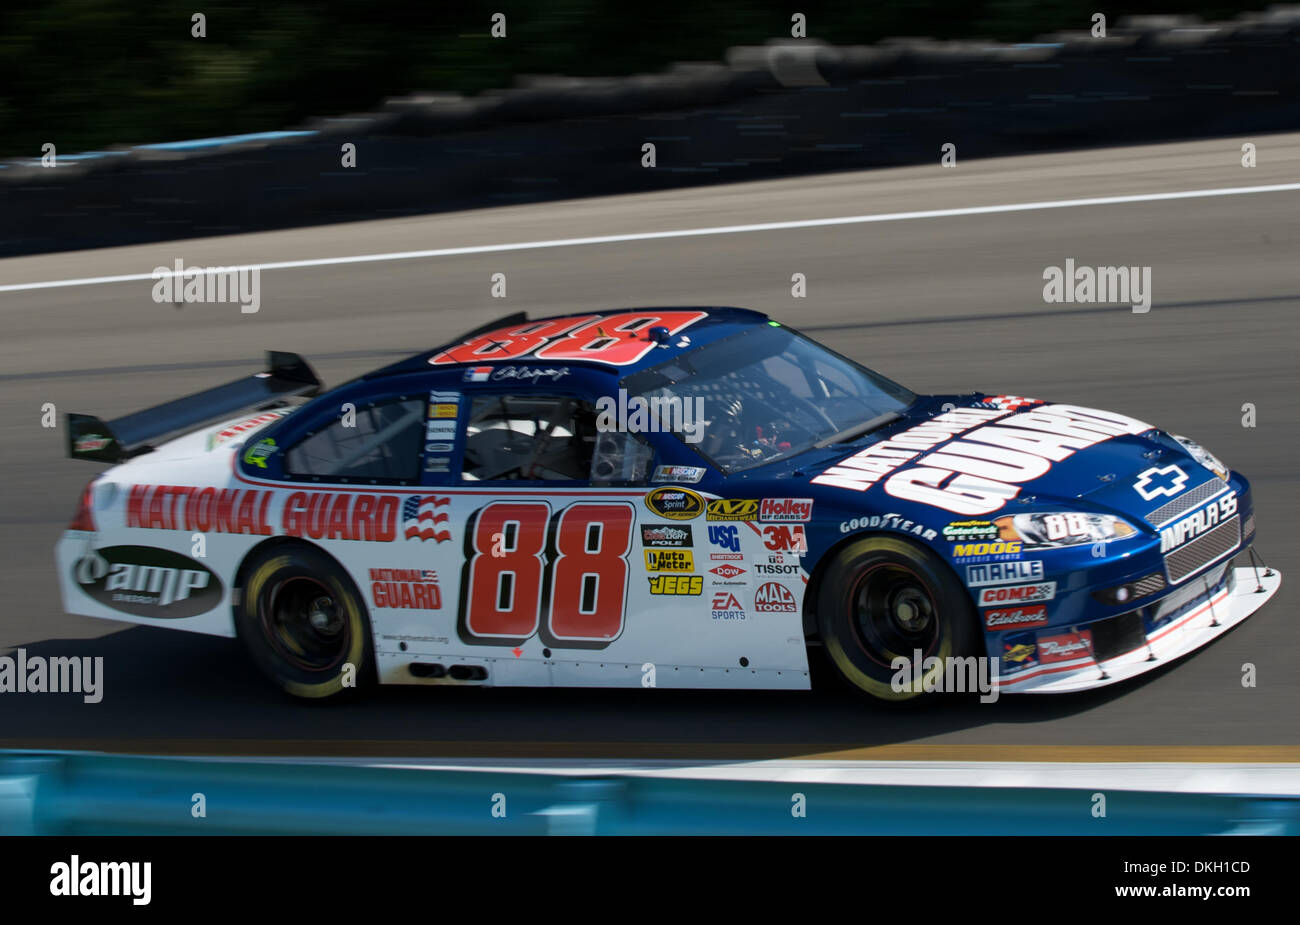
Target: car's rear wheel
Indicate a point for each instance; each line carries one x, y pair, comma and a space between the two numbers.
304, 624
882, 599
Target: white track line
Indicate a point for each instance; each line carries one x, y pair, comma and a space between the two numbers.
685, 233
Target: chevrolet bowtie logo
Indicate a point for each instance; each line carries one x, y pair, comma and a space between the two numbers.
1157, 481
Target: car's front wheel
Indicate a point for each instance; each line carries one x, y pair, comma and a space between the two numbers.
883, 599
304, 624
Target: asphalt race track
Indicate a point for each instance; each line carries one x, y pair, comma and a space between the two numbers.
941, 303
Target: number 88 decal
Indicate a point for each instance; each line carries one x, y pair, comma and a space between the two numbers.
521, 562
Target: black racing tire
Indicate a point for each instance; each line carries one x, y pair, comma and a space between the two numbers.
883, 597
303, 621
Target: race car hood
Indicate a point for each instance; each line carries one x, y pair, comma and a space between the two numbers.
974, 455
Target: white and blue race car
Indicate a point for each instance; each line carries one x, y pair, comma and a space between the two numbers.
669, 497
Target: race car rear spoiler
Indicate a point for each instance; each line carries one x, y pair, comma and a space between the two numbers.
114, 441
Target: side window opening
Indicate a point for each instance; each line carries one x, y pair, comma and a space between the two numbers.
547, 438
383, 444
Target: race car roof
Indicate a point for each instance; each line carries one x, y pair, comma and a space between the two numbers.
519, 339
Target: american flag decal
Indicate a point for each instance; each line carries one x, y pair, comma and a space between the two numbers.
421, 517
1010, 402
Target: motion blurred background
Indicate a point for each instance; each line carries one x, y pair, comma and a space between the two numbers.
93, 73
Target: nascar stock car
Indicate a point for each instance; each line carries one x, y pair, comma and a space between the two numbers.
669, 497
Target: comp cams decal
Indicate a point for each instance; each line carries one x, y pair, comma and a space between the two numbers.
984, 469
1018, 594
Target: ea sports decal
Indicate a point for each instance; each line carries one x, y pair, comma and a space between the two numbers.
147, 582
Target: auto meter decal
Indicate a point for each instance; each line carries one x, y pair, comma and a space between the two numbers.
675, 503
147, 582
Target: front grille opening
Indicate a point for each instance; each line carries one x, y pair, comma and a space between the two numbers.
1203, 550
1116, 635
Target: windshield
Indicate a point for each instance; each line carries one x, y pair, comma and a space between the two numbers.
765, 394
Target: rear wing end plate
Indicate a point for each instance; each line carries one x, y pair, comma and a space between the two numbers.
92, 438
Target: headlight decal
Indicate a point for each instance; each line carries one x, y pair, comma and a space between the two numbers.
1051, 530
